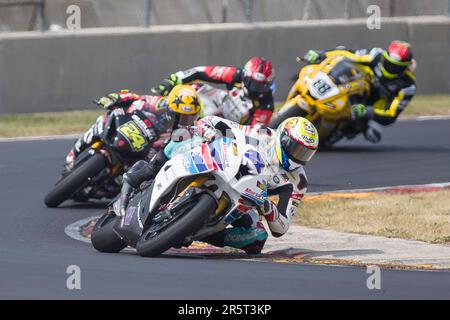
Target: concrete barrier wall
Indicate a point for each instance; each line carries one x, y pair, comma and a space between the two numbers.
67, 70
131, 13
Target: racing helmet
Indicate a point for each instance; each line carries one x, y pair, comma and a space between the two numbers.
258, 77
183, 105
396, 59
297, 140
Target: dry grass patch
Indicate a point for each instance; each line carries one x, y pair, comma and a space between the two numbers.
417, 216
47, 123
425, 105
75, 122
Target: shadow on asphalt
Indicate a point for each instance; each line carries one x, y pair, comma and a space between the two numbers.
85, 205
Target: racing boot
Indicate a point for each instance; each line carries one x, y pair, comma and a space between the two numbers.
142, 171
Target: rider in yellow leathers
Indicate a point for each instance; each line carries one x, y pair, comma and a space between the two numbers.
393, 84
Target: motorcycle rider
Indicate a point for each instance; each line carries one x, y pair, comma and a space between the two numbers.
162, 116
285, 150
255, 79
394, 83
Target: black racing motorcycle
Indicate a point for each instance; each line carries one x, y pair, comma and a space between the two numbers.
120, 139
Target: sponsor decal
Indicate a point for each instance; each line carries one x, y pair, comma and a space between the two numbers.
261, 185
276, 179
293, 211
186, 108
309, 129
255, 158
133, 135
141, 124
297, 196
308, 139
256, 197
235, 151
217, 72
129, 215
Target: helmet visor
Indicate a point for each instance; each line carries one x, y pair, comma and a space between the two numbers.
256, 87
296, 151
187, 119
393, 67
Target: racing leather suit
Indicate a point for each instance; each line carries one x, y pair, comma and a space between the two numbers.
154, 107
232, 78
248, 233
389, 97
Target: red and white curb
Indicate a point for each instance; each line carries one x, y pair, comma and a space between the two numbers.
392, 189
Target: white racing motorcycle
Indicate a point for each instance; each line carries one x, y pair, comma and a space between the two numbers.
228, 104
194, 195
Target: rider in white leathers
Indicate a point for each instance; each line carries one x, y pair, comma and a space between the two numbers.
283, 151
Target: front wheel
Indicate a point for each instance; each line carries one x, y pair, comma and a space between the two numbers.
103, 236
155, 241
75, 180
282, 115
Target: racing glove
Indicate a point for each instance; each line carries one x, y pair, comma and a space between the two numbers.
108, 101
359, 111
167, 85
314, 56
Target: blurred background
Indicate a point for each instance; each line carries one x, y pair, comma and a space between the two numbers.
135, 43
21, 15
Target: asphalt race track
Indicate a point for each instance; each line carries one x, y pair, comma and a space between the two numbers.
35, 251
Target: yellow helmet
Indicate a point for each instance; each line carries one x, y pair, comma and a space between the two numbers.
296, 142
183, 101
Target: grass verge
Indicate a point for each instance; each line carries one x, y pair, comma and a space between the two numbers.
47, 123
74, 122
423, 216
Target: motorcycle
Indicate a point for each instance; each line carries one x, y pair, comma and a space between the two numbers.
194, 195
324, 94
97, 171
229, 104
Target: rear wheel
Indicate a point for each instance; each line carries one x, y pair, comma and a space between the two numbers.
76, 179
103, 236
158, 239
293, 111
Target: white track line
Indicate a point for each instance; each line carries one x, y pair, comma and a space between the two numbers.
38, 138
73, 230
407, 186
428, 118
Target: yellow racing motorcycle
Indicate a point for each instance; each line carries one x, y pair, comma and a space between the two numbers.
324, 94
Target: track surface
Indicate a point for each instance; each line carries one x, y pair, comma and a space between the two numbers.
35, 252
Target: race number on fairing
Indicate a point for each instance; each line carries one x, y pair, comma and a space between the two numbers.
322, 87
133, 135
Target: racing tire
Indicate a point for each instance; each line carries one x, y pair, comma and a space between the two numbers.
104, 238
76, 179
285, 114
150, 245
